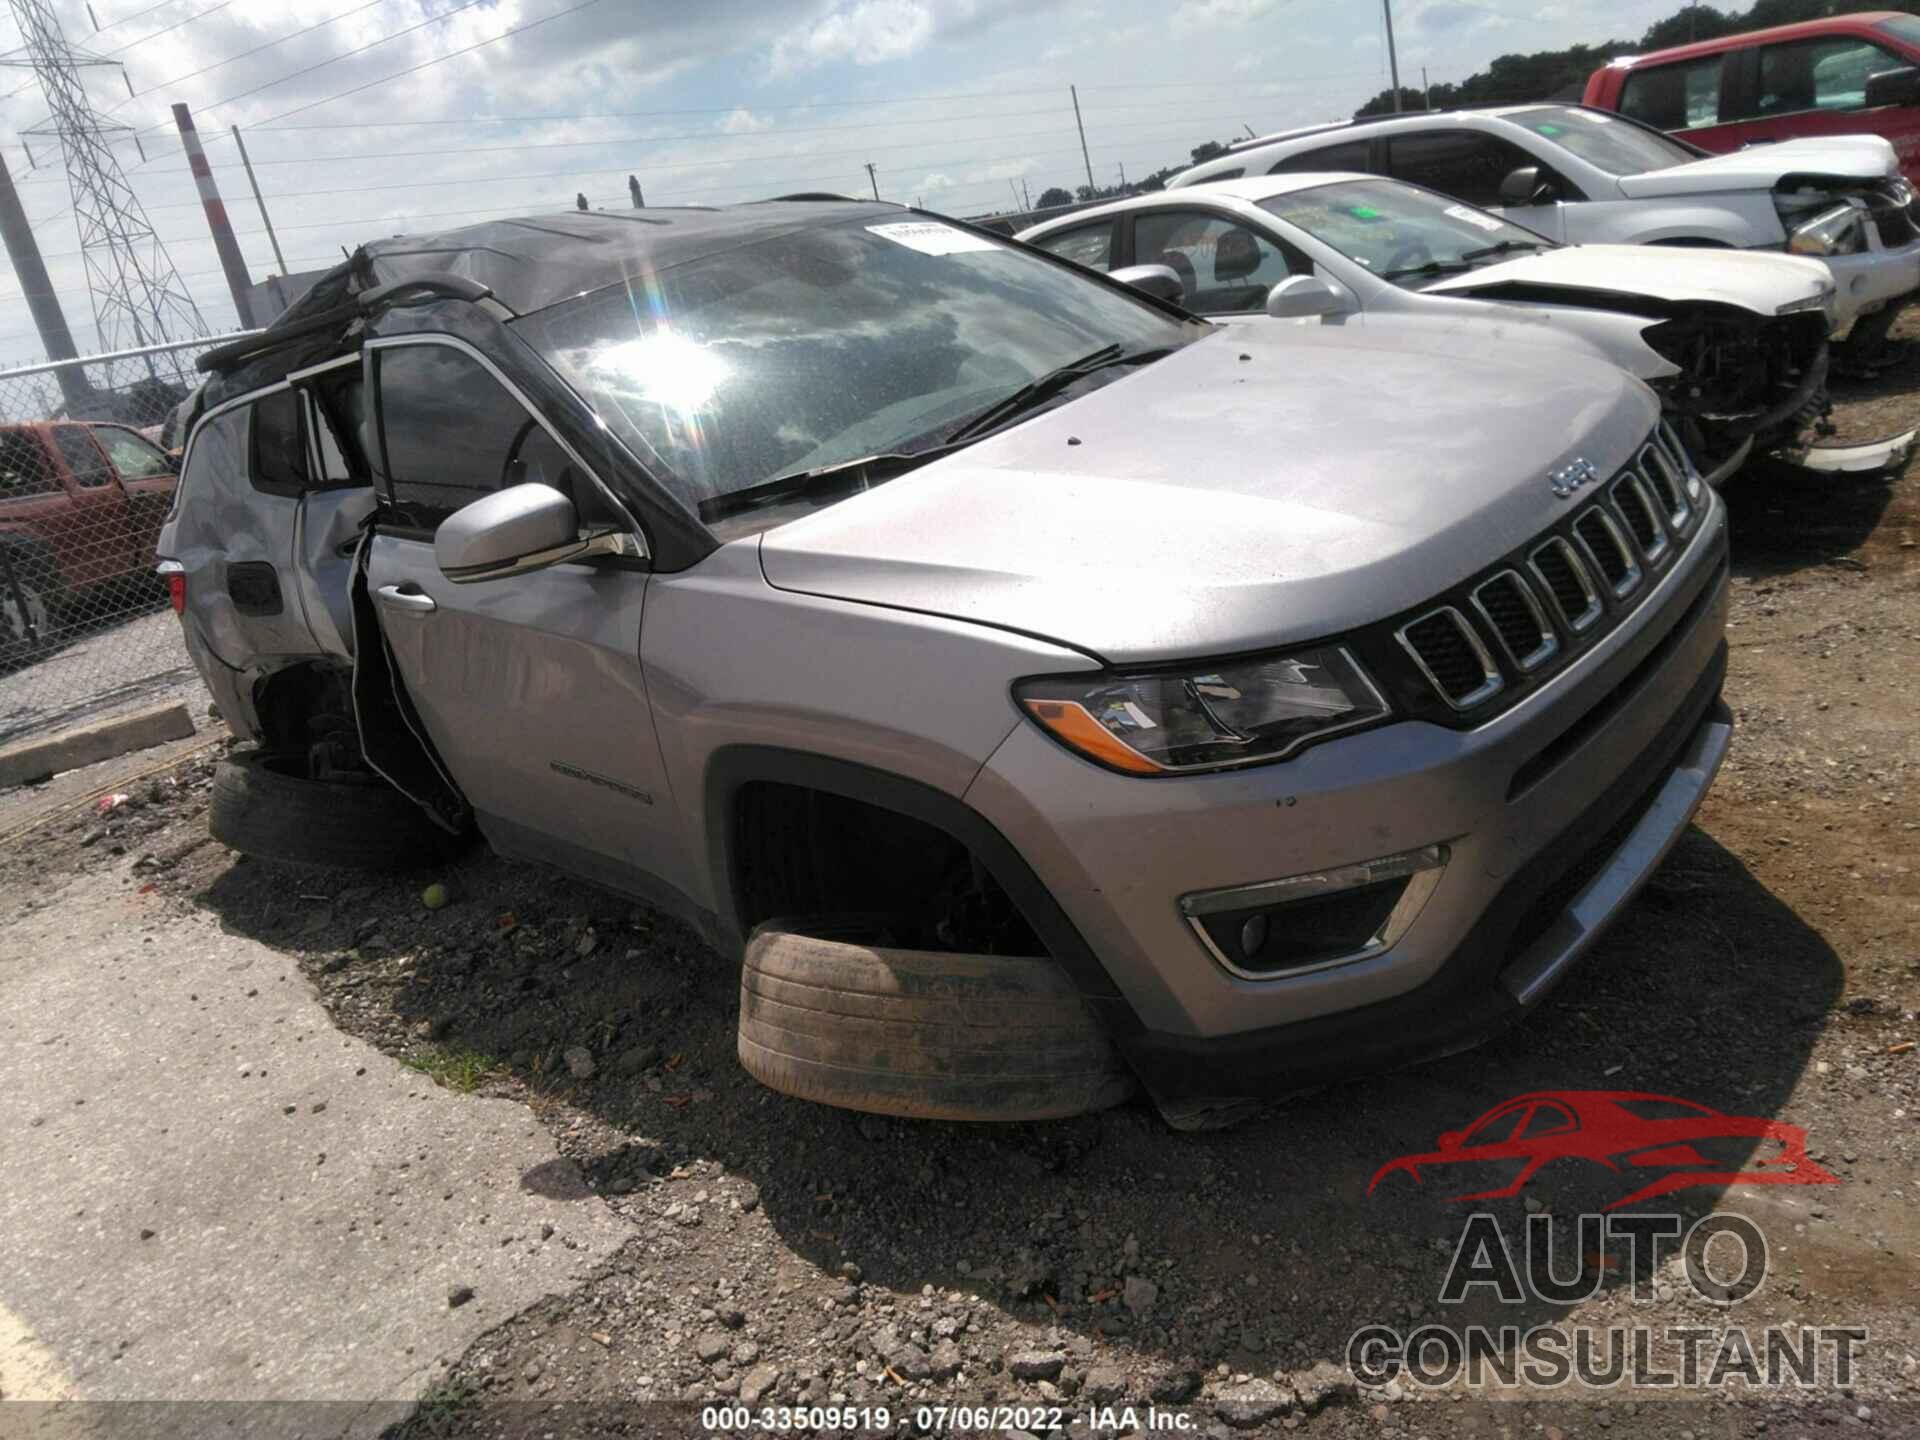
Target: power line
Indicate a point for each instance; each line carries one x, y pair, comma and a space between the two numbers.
126, 19
156, 34
268, 45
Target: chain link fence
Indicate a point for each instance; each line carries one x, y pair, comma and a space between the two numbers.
89, 454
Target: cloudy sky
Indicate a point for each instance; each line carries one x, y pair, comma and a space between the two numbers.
374, 117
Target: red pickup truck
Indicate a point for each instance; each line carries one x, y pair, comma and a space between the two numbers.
80, 506
1846, 75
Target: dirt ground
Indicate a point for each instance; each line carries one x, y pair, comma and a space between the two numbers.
782, 1253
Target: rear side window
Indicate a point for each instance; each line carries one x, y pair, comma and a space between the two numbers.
216, 459
1828, 74
1673, 97
280, 445
1089, 245
1350, 155
83, 457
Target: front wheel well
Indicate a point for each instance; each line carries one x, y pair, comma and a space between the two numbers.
799, 850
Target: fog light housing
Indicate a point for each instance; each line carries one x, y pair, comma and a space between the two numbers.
1302, 923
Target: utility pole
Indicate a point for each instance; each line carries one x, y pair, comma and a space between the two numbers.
1426, 87
873, 180
1123, 174
138, 297
1026, 194
633, 189
239, 283
260, 200
1074, 90
1393, 60
37, 289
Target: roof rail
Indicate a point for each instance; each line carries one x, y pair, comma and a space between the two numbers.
442, 284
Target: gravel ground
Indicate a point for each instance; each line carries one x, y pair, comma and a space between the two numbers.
784, 1253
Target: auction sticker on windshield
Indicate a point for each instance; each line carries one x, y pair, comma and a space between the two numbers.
1473, 217
932, 238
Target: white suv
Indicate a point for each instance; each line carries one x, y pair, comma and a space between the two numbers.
1579, 175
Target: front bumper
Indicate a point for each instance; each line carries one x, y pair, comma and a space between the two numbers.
1870, 280
1553, 814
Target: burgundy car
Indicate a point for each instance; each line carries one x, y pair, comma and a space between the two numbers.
1658, 1144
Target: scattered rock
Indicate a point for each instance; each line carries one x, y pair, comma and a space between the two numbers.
1139, 1295
711, 1346
755, 1384
579, 1062
1255, 1403
1035, 1364
1325, 1381
458, 1296
946, 1360
1104, 1383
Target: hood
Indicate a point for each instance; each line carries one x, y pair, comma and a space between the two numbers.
1261, 486
1847, 157
1760, 282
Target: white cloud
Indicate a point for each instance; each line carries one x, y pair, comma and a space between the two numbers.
1211, 14
867, 32
743, 122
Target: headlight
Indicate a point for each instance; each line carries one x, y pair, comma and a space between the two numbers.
1831, 232
1206, 717
1821, 301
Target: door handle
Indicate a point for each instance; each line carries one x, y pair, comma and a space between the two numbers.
407, 597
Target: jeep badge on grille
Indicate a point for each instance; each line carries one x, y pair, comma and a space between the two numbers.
1571, 476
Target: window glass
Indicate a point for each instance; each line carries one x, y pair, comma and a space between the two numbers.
1461, 163
1233, 174
1411, 237
83, 457
216, 458
279, 445
1828, 74
339, 400
1350, 155
1673, 97
1604, 141
24, 468
823, 345
452, 432
1090, 245
135, 457
1545, 1120
1497, 1129
1902, 27
1224, 267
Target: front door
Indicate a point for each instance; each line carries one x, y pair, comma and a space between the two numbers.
529, 686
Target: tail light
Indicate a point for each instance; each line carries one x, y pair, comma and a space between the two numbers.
175, 574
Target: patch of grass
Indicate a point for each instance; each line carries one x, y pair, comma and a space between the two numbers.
441, 1412
453, 1066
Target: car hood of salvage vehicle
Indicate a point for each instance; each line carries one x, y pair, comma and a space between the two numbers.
1847, 157
1760, 282
1260, 486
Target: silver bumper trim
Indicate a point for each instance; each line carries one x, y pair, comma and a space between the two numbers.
1541, 966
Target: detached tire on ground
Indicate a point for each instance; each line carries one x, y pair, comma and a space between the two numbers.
920, 1033
264, 805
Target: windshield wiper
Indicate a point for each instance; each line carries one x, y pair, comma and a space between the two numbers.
1505, 247
851, 476
1432, 267
1044, 387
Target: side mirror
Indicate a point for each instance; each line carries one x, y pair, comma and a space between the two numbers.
1159, 281
1525, 187
1303, 296
1893, 87
1450, 1140
513, 531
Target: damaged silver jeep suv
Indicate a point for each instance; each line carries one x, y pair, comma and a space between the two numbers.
1041, 692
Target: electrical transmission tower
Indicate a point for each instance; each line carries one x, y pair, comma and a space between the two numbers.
138, 297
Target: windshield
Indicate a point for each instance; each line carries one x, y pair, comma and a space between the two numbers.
827, 345
1400, 233
1605, 142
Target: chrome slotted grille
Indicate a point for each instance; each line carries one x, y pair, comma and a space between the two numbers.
1515, 623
